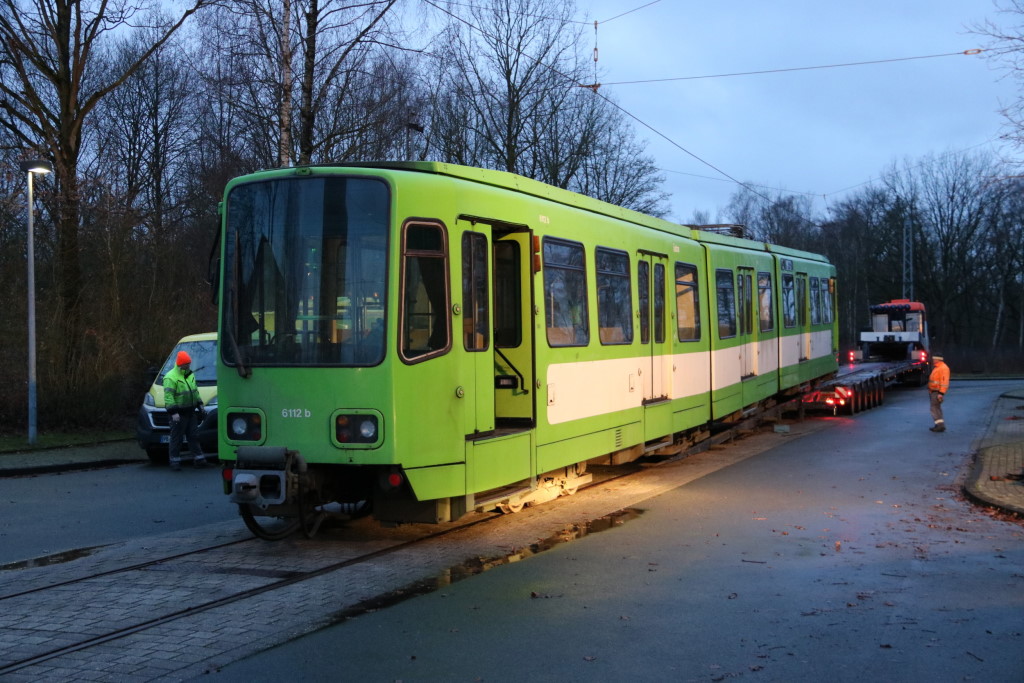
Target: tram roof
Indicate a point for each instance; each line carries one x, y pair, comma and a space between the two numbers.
536, 188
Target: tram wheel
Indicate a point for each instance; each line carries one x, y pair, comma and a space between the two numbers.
273, 534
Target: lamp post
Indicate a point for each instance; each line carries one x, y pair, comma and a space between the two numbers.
32, 166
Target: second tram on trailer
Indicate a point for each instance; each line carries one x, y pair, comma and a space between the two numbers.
420, 340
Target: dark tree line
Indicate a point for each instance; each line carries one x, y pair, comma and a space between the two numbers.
947, 230
146, 113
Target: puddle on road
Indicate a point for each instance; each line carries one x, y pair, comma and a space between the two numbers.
479, 565
47, 560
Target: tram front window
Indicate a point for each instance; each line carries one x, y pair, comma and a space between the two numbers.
305, 272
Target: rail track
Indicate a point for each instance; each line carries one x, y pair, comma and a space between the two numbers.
179, 564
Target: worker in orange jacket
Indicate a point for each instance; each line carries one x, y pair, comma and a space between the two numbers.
938, 385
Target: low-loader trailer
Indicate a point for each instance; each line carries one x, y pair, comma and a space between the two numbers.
895, 349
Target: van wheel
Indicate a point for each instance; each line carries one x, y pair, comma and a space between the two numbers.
157, 456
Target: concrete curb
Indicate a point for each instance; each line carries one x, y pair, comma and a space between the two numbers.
67, 467
996, 461
1001, 452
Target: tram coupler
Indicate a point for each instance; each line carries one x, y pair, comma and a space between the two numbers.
265, 476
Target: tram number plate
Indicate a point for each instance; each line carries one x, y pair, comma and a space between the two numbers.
296, 412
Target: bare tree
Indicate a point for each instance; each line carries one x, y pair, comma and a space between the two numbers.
861, 240
49, 84
513, 61
780, 218
947, 196
310, 77
509, 97
617, 169
1006, 48
144, 231
1002, 260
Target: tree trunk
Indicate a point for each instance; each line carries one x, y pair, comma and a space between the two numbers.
285, 142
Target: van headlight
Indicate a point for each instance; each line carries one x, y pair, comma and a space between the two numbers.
149, 400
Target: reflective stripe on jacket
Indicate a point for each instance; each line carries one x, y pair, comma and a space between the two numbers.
180, 391
939, 379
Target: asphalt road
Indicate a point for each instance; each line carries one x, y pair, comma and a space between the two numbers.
840, 551
844, 555
52, 513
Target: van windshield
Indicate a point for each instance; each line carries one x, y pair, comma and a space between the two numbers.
305, 272
204, 361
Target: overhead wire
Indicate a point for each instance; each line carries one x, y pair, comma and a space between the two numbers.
542, 16
595, 89
972, 51
607, 100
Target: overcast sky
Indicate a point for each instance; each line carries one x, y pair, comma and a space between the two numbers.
817, 131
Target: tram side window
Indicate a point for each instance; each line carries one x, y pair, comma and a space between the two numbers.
565, 293
801, 300
745, 297
815, 302
643, 290
687, 303
425, 323
826, 302
659, 303
614, 299
764, 301
475, 314
788, 301
726, 303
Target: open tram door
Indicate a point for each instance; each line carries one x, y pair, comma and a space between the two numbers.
655, 373
497, 336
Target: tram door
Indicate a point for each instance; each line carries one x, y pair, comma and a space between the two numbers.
801, 316
655, 372
497, 337
746, 317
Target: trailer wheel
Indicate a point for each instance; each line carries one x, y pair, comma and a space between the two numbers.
855, 402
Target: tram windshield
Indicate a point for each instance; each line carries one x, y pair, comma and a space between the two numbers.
305, 272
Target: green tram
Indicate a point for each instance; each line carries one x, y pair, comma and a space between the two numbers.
418, 340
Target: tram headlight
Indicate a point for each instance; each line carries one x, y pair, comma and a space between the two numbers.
361, 429
244, 427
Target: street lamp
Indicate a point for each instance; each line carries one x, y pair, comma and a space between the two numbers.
32, 166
